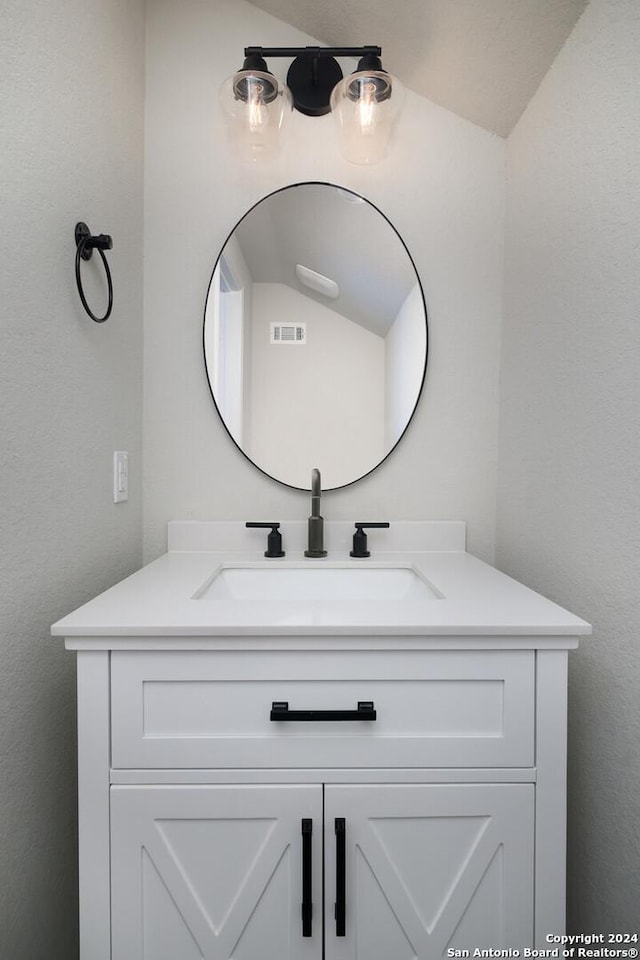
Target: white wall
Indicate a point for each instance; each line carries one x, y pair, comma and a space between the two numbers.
442, 189
227, 321
316, 404
405, 346
71, 100
569, 490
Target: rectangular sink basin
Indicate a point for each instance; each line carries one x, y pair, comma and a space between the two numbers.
315, 582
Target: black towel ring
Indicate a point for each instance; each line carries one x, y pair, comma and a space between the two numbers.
85, 245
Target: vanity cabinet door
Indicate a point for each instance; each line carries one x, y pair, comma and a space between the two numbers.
426, 868
216, 872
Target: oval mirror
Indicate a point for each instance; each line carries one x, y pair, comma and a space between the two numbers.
315, 335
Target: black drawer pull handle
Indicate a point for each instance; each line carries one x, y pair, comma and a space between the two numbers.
280, 711
341, 877
307, 896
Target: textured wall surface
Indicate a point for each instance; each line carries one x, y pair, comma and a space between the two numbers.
71, 100
569, 490
442, 188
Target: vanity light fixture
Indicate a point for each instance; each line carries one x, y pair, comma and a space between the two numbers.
365, 104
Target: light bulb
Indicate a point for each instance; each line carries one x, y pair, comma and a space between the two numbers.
366, 105
255, 106
257, 112
366, 108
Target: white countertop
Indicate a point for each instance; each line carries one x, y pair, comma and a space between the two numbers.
469, 597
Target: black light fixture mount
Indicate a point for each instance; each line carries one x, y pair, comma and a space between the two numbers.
255, 66
315, 71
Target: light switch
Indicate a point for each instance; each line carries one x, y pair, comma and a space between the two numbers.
120, 476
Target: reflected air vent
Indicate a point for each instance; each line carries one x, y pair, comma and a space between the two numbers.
294, 333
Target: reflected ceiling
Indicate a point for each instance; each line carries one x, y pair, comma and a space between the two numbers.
298, 227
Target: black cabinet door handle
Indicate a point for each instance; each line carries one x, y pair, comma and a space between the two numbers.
280, 711
341, 876
307, 895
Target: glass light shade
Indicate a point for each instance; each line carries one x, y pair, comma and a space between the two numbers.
366, 105
255, 105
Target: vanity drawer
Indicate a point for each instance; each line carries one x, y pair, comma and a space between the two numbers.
212, 709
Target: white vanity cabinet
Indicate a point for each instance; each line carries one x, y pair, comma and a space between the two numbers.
225, 815
205, 824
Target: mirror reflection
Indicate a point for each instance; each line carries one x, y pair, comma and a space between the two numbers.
315, 335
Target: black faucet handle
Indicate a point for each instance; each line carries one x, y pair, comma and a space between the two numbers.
360, 539
274, 540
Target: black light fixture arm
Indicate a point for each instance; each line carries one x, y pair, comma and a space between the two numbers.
85, 245
313, 51
314, 71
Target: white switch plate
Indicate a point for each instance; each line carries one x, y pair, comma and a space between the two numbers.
120, 476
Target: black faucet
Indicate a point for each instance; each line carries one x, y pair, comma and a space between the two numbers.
315, 546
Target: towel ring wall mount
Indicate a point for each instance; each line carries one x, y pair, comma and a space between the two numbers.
85, 245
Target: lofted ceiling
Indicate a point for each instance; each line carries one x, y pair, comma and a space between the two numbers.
349, 241
482, 59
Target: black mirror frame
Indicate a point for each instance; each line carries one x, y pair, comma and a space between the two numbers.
335, 186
